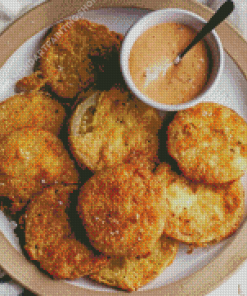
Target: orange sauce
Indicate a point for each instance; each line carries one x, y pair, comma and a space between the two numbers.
152, 69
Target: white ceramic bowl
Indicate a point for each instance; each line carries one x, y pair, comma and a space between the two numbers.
178, 16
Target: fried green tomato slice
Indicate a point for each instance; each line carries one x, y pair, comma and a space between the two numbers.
209, 143
34, 109
75, 53
122, 210
31, 158
132, 273
50, 241
200, 213
107, 127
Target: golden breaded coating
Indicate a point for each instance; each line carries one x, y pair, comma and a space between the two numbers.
74, 53
34, 109
106, 128
122, 210
49, 240
45, 221
18, 191
132, 273
35, 81
200, 213
31, 157
67, 258
209, 143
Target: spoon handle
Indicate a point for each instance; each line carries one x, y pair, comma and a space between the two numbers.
215, 20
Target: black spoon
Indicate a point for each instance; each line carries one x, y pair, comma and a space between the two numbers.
222, 13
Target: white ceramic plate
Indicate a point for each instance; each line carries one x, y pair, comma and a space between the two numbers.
232, 92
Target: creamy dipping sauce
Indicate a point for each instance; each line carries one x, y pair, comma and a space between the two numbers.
152, 69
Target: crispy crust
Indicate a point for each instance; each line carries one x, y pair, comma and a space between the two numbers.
35, 81
120, 218
199, 213
209, 143
49, 240
31, 158
74, 53
116, 127
34, 109
132, 273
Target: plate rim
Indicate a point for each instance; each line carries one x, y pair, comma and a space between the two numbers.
199, 283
